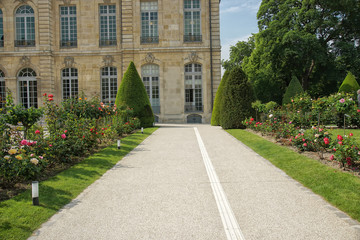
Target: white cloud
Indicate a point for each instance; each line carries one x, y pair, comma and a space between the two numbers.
231, 9
234, 6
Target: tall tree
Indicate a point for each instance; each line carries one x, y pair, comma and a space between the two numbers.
303, 38
239, 52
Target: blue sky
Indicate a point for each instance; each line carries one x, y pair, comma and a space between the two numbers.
237, 22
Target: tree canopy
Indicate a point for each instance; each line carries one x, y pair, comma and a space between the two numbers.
315, 40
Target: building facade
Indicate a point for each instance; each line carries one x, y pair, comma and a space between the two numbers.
69, 47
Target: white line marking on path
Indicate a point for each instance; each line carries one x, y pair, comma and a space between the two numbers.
230, 223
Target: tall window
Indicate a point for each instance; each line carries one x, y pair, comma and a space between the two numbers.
1, 29
70, 83
28, 88
2, 89
25, 26
68, 26
149, 22
107, 25
108, 85
150, 76
192, 21
193, 88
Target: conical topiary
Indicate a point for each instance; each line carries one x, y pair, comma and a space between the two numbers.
215, 117
292, 90
237, 98
132, 93
349, 85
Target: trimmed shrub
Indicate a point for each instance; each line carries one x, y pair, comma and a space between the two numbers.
132, 93
349, 85
292, 90
215, 117
237, 98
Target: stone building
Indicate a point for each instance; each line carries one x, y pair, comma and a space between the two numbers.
66, 47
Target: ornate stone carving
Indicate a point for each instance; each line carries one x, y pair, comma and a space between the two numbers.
193, 57
66, 2
149, 58
69, 62
21, 1
108, 60
25, 61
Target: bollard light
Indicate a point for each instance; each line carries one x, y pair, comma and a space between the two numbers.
35, 193
142, 130
118, 144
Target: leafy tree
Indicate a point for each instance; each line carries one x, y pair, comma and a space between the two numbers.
238, 53
292, 90
132, 93
216, 113
313, 39
349, 85
237, 98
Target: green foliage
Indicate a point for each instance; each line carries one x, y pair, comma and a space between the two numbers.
239, 53
295, 40
349, 85
132, 93
292, 90
215, 117
237, 98
270, 106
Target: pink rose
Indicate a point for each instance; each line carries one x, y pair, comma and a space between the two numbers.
63, 136
305, 145
37, 132
350, 134
332, 157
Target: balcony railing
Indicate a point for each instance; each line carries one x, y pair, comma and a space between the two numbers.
107, 42
24, 43
68, 43
193, 108
149, 39
192, 38
156, 109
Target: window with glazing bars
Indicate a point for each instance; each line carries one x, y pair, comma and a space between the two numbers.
192, 21
149, 22
70, 84
2, 90
24, 27
28, 88
68, 26
150, 76
108, 85
1, 29
193, 88
107, 25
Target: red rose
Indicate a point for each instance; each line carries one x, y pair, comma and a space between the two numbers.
51, 96
339, 137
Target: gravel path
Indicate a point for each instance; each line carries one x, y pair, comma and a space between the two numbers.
197, 182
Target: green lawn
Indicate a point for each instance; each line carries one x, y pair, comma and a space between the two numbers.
340, 189
19, 218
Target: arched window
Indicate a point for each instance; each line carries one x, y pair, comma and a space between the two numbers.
108, 85
150, 77
1, 29
25, 26
2, 89
28, 88
193, 88
70, 83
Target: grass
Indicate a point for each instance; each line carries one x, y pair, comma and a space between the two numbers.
340, 189
19, 218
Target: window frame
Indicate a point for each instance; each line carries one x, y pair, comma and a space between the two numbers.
149, 33
72, 90
193, 97
108, 40
68, 39
192, 35
152, 84
26, 32
25, 82
106, 80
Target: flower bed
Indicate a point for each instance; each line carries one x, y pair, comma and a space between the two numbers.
298, 125
73, 129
